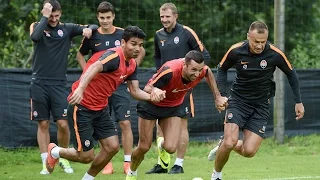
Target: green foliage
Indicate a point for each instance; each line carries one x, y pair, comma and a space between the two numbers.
219, 24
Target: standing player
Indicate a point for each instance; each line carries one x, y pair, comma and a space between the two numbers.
175, 77
255, 61
48, 91
174, 41
88, 112
109, 36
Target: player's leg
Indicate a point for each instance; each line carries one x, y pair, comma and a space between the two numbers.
254, 130
188, 109
40, 112
80, 120
236, 115
121, 106
59, 105
106, 133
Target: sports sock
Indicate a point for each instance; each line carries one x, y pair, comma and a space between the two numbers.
87, 177
127, 158
133, 173
219, 174
44, 157
55, 152
179, 162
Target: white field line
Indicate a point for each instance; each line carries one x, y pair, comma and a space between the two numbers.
293, 178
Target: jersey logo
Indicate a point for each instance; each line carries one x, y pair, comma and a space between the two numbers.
179, 90
117, 43
60, 32
262, 130
176, 40
47, 33
162, 42
107, 43
123, 76
263, 64
97, 44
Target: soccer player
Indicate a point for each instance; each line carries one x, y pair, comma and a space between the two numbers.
175, 77
109, 36
48, 91
255, 61
174, 41
88, 111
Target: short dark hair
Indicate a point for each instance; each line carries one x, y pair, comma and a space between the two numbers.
54, 3
132, 31
260, 26
195, 55
105, 7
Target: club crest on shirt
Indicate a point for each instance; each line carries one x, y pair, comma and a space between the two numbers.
60, 32
263, 64
35, 114
117, 43
176, 40
230, 115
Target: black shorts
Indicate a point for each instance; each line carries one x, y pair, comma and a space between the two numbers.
188, 105
46, 99
251, 116
149, 111
88, 126
119, 103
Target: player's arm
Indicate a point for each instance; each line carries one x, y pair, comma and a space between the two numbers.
195, 44
293, 79
141, 55
137, 93
108, 62
37, 31
85, 30
83, 50
157, 54
220, 101
228, 60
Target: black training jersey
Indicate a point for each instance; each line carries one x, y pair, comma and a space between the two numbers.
51, 48
176, 44
254, 73
100, 41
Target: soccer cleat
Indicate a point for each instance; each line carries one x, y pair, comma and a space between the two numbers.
176, 169
51, 161
213, 152
108, 169
126, 167
44, 170
164, 156
157, 169
65, 165
131, 177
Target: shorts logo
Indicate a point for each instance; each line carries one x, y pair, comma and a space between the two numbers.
117, 43
107, 43
245, 66
87, 143
187, 110
35, 114
176, 40
262, 130
60, 32
127, 114
64, 112
230, 116
263, 64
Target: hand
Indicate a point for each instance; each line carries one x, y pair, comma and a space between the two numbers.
46, 10
76, 96
87, 32
157, 95
221, 103
299, 108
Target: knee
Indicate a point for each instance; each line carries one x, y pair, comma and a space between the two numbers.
114, 148
43, 125
144, 147
86, 158
249, 153
169, 148
125, 125
63, 125
229, 143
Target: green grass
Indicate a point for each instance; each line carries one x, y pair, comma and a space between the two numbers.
297, 157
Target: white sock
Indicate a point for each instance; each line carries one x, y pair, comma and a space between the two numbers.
127, 158
55, 152
179, 162
219, 174
159, 161
160, 144
44, 157
132, 173
87, 177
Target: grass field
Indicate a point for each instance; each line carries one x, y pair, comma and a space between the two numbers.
298, 158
